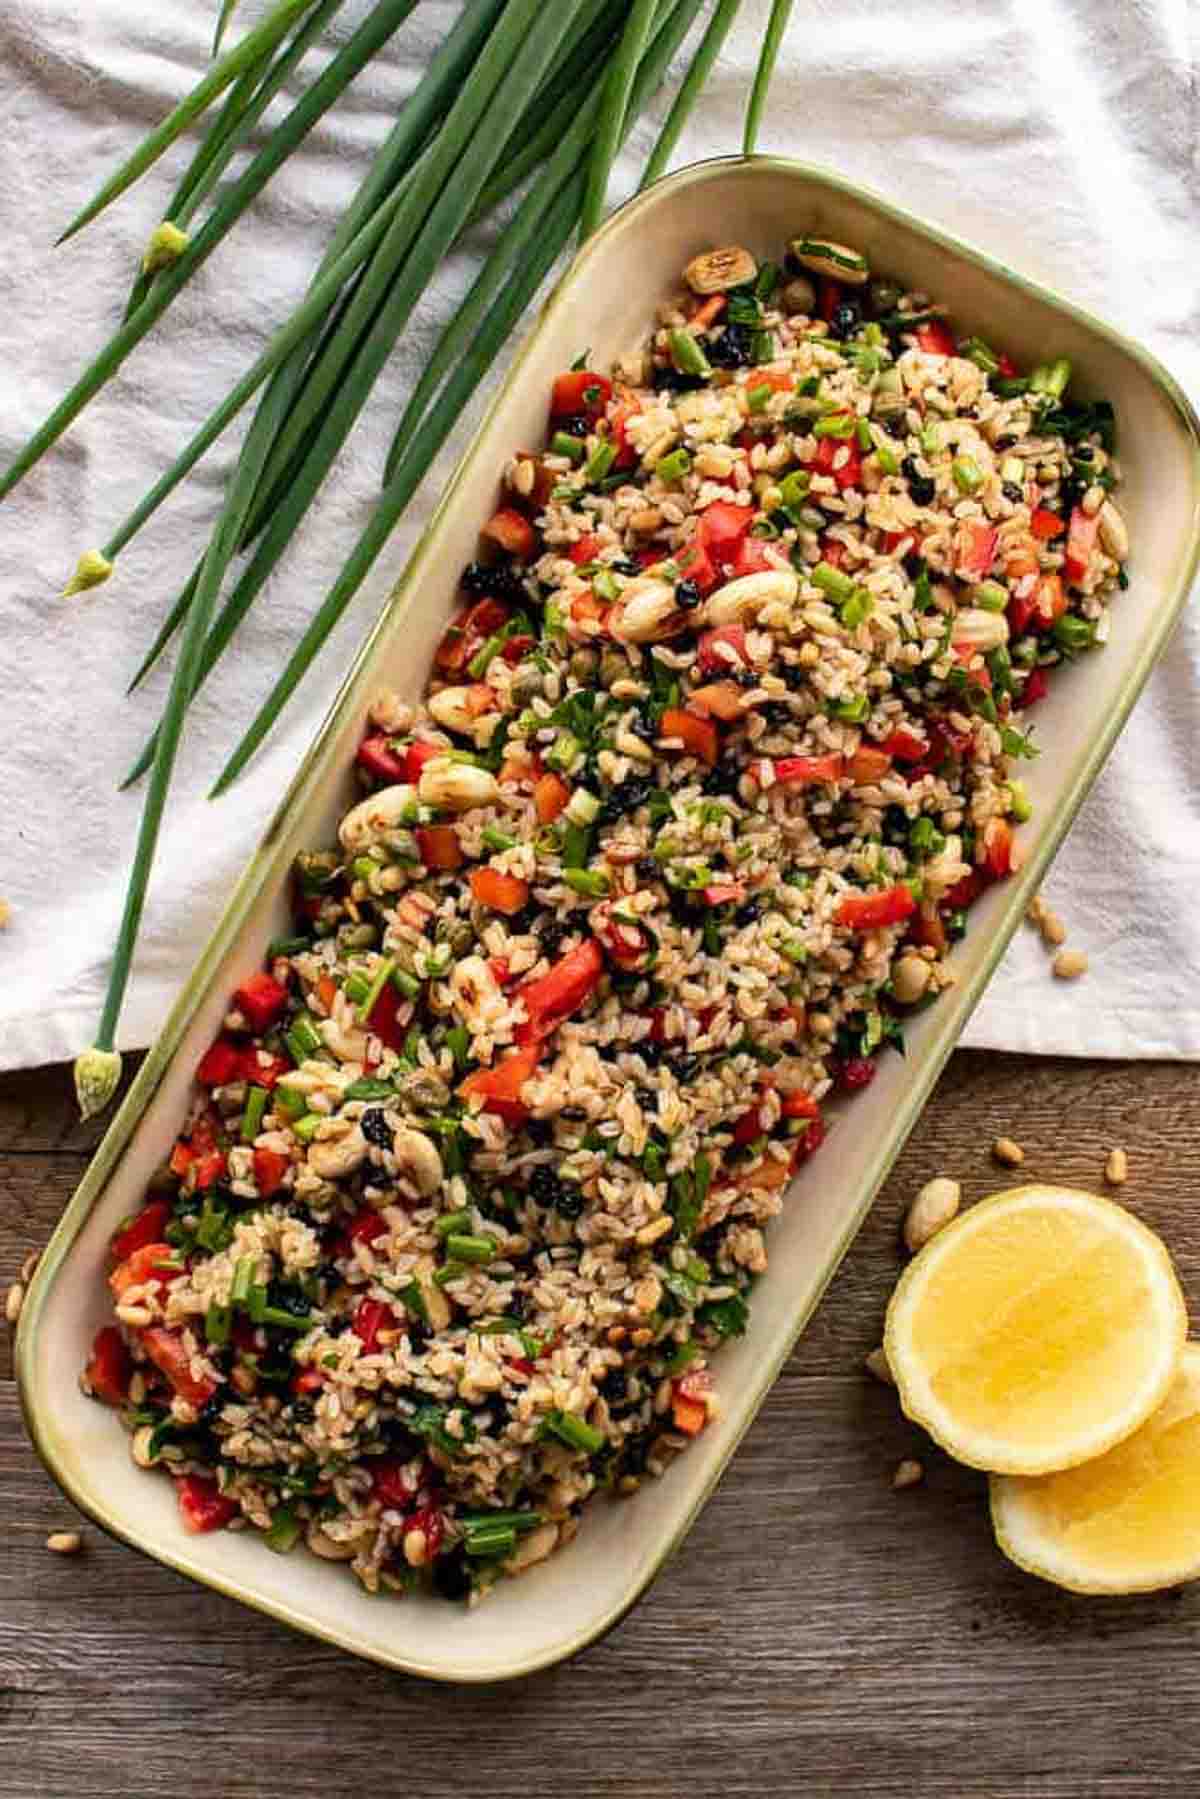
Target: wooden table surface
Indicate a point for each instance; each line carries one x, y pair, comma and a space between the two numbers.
818, 1633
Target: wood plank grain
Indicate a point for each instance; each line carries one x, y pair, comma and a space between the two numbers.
817, 1634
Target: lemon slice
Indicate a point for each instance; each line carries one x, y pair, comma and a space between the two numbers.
1036, 1331
1126, 1523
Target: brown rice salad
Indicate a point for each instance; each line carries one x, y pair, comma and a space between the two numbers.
722, 744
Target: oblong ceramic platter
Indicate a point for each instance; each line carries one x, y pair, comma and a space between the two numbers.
603, 304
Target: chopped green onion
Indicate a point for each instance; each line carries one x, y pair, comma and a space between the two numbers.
216, 1324
931, 438
305, 1129
492, 1541
863, 433
243, 1281
287, 946
673, 467
562, 751
303, 1038
976, 351
1022, 805
582, 808
461, 1247
458, 1042
284, 1532
793, 489
835, 424
592, 883
968, 476
832, 581
851, 711
1073, 634
1051, 378
924, 838
687, 355
889, 461
600, 460
574, 1431
406, 983
563, 444
991, 596
252, 1117
451, 1223
292, 1105
379, 981
857, 609
496, 839
758, 398
366, 1088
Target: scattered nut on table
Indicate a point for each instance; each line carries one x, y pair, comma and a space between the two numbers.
933, 1208
14, 1302
1116, 1169
1069, 964
1008, 1152
64, 1542
908, 1474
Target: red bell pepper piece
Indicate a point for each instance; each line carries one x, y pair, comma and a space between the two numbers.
752, 558
416, 755
366, 1226
270, 1166
380, 760
500, 1087
997, 848
391, 1484
166, 1350
110, 1367
699, 736
557, 994
695, 564
724, 893
975, 547
1007, 369
517, 648
221, 1063
964, 892
262, 1000
580, 391
309, 1380
803, 771
812, 1139
829, 297
438, 846
799, 1105
872, 911
370, 1318
723, 529
430, 1522
501, 892
154, 1264
855, 1073
1081, 541
833, 551
550, 795
936, 338
202, 1504
511, 531
848, 473
147, 1226
626, 455
748, 1127
869, 763
1037, 686
584, 549
904, 745
1045, 524
710, 659
383, 1020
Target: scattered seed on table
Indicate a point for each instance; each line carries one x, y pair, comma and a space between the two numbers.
933, 1208
878, 1365
908, 1474
1069, 964
1116, 1169
1008, 1152
64, 1542
5, 915
14, 1302
1054, 931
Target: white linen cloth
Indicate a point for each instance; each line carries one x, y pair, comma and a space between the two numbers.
1058, 133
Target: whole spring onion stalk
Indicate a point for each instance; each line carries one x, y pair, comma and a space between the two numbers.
263, 38
366, 42
427, 441
617, 89
674, 22
689, 92
769, 55
245, 105
224, 17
